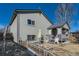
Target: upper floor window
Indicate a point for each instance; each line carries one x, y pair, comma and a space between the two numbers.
30, 22
33, 22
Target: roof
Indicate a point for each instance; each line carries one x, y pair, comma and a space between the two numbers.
27, 11
59, 25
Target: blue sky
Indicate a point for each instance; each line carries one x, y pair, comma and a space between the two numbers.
6, 11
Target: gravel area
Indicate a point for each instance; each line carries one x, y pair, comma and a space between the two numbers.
13, 49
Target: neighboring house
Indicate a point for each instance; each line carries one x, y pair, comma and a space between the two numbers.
76, 35
26, 25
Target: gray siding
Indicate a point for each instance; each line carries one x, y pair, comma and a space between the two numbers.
13, 29
21, 29
40, 23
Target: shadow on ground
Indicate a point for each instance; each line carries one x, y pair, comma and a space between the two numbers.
13, 49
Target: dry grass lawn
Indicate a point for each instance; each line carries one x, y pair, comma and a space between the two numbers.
71, 49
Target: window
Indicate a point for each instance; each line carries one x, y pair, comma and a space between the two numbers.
33, 22
30, 37
30, 22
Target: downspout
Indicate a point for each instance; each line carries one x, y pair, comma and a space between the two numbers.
18, 28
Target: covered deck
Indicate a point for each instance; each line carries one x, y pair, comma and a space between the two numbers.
58, 33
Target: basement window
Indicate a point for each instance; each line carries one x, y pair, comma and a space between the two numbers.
30, 37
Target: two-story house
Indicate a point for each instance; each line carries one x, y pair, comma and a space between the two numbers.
26, 25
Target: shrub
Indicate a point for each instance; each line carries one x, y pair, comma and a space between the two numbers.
1, 36
9, 36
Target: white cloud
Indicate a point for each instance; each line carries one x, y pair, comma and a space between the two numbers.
1, 26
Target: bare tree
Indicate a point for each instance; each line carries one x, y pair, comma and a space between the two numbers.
64, 12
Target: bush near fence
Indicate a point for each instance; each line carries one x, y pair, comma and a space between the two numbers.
9, 36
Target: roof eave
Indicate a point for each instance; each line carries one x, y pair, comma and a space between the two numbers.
28, 11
